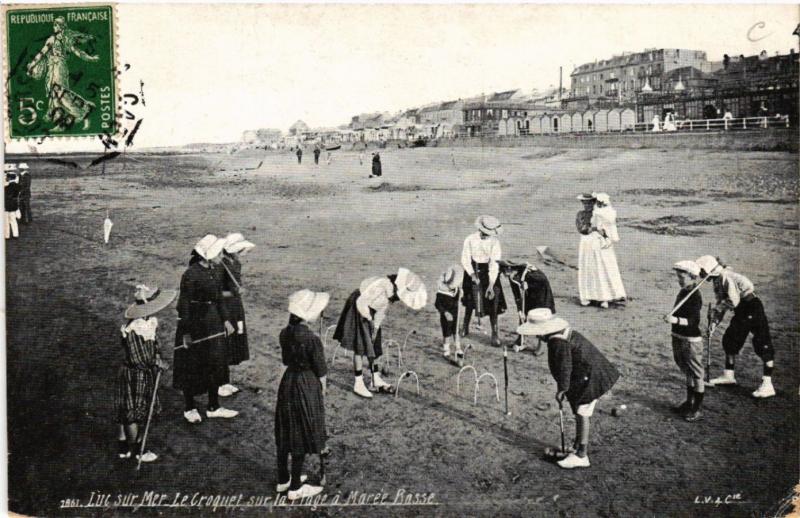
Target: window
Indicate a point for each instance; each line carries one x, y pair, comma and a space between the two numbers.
612, 75
601, 88
505, 114
601, 77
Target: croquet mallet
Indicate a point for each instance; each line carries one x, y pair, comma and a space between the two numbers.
149, 418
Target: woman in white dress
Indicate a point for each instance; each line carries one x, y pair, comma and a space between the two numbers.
598, 273
656, 122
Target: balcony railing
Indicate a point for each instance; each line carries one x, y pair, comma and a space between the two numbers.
729, 124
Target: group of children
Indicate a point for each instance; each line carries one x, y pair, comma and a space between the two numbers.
732, 291
211, 335
17, 198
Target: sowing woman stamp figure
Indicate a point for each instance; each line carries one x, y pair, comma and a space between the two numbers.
51, 63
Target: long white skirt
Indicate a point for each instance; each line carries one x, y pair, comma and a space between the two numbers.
598, 272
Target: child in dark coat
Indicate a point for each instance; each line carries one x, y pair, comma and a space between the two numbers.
299, 410
531, 290
581, 372
687, 342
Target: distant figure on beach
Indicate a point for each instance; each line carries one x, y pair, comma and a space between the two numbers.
299, 155
656, 123
316, 155
361, 158
377, 170
669, 122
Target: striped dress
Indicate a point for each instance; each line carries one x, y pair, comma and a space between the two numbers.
137, 375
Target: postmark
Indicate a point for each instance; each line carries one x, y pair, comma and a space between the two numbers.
60, 71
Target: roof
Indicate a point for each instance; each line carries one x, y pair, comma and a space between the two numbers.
502, 96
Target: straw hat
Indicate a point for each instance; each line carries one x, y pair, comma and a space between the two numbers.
307, 304
239, 247
709, 265
586, 197
233, 238
149, 301
410, 289
23, 165
688, 267
209, 247
452, 278
602, 198
9, 167
489, 225
541, 322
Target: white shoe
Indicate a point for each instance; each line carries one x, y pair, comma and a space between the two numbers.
148, 456
378, 382
280, 488
225, 413
765, 390
361, 389
305, 491
193, 416
227, 390
585, 303
573, 461
727, 378
604, 305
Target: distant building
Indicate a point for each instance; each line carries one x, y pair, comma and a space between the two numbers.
746, 86
501, 113
298, 128
263, 136
620, 78
442, 120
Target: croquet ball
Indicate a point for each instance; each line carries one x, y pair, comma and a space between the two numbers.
618, 411
623, 407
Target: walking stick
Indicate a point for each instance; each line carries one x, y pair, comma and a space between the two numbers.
561, 426
149, 418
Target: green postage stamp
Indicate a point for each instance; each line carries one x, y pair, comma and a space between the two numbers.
60, 71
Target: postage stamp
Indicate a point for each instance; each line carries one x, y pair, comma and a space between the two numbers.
61, 71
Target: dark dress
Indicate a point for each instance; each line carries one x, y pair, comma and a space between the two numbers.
468, 298
299, 411
580, 369
238, 348
136, 379
25, 197
201, 313
377, 170
538, 293
354, 332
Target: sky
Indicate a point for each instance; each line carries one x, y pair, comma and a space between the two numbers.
213, 71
